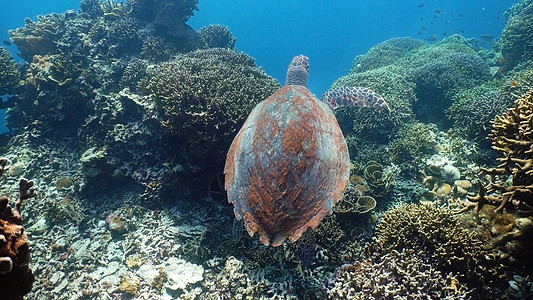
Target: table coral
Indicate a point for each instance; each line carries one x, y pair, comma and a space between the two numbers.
16, 277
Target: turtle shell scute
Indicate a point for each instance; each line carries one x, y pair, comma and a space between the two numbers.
287, 166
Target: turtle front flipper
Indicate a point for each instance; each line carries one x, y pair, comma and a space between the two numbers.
354, 96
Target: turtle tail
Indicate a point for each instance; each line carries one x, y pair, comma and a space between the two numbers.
354, 96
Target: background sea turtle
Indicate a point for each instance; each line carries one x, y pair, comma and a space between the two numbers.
289, 163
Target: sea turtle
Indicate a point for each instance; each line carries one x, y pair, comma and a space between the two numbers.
289, 163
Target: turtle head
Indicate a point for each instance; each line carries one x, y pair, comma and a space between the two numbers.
298, 71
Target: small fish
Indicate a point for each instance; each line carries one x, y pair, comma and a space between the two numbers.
514, 83
444, 33
437, 11
420, 5
421, 19
461, 31
487, 37
7, 43
423, 28
433, 38
460, 15
447, 21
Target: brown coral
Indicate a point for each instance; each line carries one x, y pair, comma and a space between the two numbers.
16, 277
512, 134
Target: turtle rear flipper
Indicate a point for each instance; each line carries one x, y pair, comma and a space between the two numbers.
354, 96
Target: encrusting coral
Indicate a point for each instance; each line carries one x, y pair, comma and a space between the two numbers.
16, 277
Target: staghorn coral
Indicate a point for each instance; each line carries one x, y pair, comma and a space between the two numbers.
9, 74
16, 277
204, 96
217, 36
385, 53
512, 135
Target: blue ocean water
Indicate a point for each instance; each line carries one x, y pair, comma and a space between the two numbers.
331, 33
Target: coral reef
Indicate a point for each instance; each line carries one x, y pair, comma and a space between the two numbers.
419, 250
392, 276
204, 96
16, 277
516, 43
473, 109
413, 142
9, 74
38, 37
378, 178
217, 36
385, 53
512, 135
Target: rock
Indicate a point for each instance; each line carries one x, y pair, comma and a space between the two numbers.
38, 227
181, 273
450, 173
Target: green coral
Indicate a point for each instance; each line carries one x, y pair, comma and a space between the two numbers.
9, 74
204, 97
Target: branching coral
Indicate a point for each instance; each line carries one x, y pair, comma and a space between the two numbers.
9, 74
512, 134
516, 42
204, 96
400, 274
422, 251
16, 277
385, 53
217, 36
